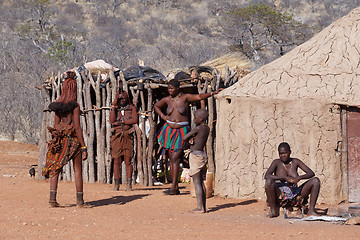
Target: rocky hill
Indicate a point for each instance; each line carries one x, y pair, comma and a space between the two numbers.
50, 35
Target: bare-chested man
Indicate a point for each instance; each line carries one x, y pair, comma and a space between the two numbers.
171, 134
198, 157
122, 116
282, 178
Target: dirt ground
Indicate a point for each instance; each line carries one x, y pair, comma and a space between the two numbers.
143, 213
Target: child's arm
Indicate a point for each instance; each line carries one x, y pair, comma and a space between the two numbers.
191, 134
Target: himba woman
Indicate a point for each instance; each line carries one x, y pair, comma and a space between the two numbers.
122, 116
170, 136
67, 140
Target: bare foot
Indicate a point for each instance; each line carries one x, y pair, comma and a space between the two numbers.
312, 213
273, 214
198, 210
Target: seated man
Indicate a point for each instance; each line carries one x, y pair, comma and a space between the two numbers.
282, 178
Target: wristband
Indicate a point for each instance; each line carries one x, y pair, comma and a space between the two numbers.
83, 149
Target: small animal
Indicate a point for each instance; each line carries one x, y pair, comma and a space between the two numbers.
32, 172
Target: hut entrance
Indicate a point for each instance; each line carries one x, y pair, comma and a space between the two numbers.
353, 153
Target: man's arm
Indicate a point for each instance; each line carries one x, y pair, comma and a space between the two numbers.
308, 172
158, 106
271, 171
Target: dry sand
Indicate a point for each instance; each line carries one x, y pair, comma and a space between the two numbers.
143, 213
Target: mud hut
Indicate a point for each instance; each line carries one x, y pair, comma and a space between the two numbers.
309, 98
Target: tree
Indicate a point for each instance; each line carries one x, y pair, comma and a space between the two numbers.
52, 30
260, 29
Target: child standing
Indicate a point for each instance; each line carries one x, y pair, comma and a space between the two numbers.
198, 157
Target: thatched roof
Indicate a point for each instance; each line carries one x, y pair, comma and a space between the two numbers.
326, 67
232, 60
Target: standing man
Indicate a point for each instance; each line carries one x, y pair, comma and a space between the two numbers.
122, 116
171, 134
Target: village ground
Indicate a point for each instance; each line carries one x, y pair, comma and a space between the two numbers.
143, 213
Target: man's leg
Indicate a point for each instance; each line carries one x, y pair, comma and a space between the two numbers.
311, 187
174, 169
272, 193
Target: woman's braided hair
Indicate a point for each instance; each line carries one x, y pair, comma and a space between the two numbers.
69, 89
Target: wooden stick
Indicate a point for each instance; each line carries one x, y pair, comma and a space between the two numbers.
90, 128
227, 76
103, 134
151, 138
142, 120
80, 97
210, 143
135, 95
98, 128
108, 102
122, 78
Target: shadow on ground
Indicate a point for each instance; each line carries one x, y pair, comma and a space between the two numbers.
230, 205
119, 200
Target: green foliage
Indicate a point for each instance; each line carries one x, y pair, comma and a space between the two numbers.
255, 27
60, 52
23, 28
40, 2
263, 14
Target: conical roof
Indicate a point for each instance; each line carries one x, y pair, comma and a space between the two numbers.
326, 67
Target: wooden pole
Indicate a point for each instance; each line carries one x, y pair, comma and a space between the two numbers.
210, 140
90, 128
138, 139
100, 159
114, 89
227, 76
123, 165
151, 136
80, 97
104, 120
124, 82
108, 132
142, 120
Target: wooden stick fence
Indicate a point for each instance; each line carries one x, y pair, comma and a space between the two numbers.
95, 100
